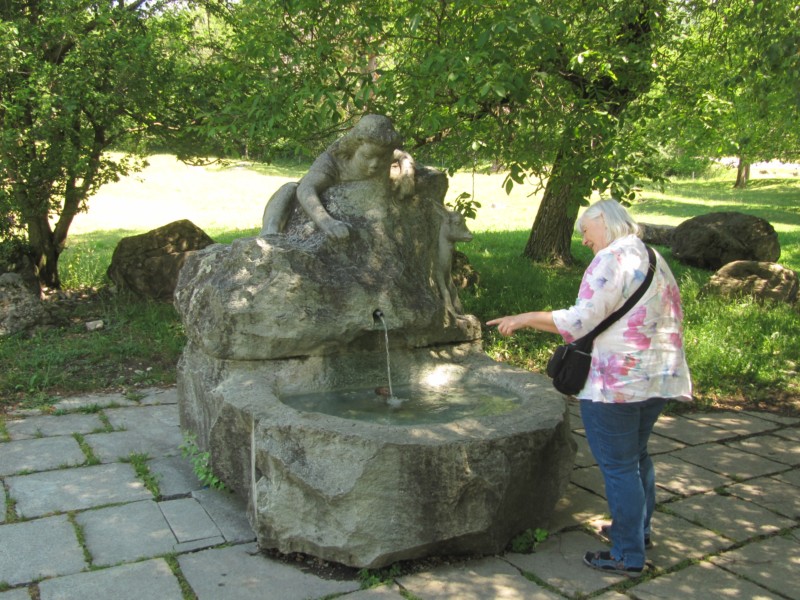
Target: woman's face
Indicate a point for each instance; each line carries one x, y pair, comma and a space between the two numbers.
372, 159
594, 234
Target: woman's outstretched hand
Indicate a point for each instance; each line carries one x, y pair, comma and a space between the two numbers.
507, 325
541, 320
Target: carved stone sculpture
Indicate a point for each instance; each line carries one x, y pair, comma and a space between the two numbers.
371, 150
293, 312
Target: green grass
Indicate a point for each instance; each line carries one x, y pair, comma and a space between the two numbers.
738, 351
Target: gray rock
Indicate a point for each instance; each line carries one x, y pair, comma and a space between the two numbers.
300, 294
760, 280
657, 235
148, 264
20, 308
714, 239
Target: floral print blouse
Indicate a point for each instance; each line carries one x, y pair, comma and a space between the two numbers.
641, 355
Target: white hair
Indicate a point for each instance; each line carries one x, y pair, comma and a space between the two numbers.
617, 220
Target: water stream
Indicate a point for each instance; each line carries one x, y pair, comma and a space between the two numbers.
391, 400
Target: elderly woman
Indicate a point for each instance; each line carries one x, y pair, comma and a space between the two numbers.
638, 363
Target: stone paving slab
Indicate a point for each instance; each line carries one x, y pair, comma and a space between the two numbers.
735, 422
683, 478
93, 400
789, 433
144, 418
676, 539
42, 548
188, 520
2, 503
771, 493
576, 507
733, 517
701, 582
148, 579
236, 573
175, 476
159, 396
589, 478
583, 455
119, 445
558, 561
773, 563
75, 489
790, 477
40, 455
768, 416
690, 432
730, 462
384, 592
49, 426
229, 513
17, 594
658, 444
772, 447
126, 533
476, 580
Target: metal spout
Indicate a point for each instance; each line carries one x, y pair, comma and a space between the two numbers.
377, 316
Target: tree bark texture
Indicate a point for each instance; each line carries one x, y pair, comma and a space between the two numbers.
742, 174
551, 234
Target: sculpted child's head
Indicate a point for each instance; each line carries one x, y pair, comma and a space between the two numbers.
368, 148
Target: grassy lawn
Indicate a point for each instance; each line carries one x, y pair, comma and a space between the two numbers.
741, 353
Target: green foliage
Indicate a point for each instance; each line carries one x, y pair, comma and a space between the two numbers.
139, 345
91, 459
526, 542
78, 77
728, 83
465, 204
139, 463
200, 462
371, 578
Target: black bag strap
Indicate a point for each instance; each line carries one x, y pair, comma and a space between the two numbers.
629, 303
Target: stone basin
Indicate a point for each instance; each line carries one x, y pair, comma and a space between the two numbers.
366, 494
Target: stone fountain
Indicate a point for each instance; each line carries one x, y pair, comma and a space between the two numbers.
301, 309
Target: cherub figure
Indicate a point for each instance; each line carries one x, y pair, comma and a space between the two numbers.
370, 150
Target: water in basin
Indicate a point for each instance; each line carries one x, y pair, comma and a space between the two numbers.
412, 404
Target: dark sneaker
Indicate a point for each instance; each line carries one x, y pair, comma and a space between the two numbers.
602, 561
605, 531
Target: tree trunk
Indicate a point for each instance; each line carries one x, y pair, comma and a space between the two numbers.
742, 174
45, 251
551, 234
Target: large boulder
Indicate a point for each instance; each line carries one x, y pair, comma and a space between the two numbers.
760, 280
656, 235
148, 264
20, 307
715, 239
300, 294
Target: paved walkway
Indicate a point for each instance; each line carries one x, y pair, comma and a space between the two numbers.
78, 522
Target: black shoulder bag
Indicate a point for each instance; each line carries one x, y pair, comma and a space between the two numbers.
569, 365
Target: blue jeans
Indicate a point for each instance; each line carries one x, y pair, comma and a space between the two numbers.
617, 435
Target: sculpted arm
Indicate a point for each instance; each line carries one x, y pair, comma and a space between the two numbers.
309, 190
